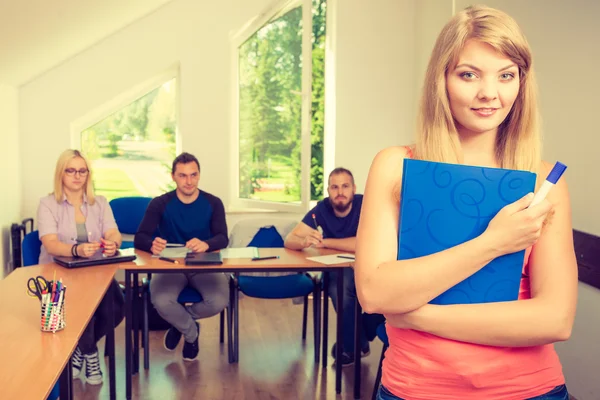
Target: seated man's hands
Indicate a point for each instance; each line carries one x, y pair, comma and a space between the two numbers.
158, 245
197, 245
314, 238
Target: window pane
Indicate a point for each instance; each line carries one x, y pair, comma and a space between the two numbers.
132, 149
270, 76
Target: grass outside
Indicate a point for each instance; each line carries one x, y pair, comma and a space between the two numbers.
113, 183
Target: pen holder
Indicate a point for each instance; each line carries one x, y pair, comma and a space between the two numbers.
53, 315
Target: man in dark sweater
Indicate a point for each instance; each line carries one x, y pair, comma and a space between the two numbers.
332, 224
196, 219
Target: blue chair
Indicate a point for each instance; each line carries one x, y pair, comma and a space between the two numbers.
277, 287
382, 335
32, 246
129, 212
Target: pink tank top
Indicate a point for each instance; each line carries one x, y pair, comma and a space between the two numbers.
422, 366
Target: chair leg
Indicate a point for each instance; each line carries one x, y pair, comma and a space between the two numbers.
317, 322
145, 334
378, 377
236, 325
304, 317
222, 327
230, 335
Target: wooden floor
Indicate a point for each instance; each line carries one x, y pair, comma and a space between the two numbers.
274, 363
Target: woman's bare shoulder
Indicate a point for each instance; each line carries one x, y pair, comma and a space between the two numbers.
392, 156
386, 171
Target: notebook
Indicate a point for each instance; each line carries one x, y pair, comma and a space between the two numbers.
203, 259
97, 259
443, 205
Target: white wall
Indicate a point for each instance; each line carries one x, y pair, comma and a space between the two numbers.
563, 36
375, 90
191, 33
9, 179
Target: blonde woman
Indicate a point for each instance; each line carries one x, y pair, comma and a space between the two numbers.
74, 222
478, 107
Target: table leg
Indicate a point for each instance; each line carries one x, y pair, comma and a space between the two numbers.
136, 324
128, 316
325, 317
339, 340
357, 350
66, 382
110, 346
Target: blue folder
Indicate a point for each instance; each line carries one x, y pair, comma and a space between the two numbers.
444, 205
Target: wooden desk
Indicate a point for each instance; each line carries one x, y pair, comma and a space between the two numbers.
32, 360
288, 261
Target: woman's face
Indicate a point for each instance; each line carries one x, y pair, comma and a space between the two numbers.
482, 88
75, 174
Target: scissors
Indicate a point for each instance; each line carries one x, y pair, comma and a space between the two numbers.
38, 286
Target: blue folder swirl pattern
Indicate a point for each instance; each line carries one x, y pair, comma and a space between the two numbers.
444, 205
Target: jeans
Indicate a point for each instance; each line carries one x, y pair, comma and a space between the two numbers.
98, 325
348, 304
165, 289
558, 393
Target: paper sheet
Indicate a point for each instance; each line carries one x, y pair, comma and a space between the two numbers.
175, 252
333, 259
240, 252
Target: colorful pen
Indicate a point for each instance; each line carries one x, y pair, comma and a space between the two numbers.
553, 177
317, 227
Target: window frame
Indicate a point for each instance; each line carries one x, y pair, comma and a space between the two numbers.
124, 99
275, 10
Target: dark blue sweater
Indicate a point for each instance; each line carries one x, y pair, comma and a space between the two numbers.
176, 222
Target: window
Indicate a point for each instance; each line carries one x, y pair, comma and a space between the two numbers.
279, 113
131, 148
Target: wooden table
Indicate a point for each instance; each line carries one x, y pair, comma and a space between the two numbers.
288, 261
32, 360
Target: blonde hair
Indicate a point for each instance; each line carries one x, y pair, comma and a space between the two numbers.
518, 143
59, 172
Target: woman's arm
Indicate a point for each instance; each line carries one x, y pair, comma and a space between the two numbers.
387, 286
545, 318
114, 236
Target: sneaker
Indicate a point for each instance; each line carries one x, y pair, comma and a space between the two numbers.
365, 351
191, 350
77, 362
347, 360
172, 338
93, 375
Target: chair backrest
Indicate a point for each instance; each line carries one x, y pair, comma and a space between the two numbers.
31, 248
267, 236
129, 212
261, 232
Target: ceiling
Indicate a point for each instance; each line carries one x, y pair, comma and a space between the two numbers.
36, 35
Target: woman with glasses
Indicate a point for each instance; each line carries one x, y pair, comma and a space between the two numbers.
72, 221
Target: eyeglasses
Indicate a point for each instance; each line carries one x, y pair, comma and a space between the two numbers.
73, 171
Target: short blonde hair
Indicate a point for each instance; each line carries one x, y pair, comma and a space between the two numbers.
518, 144
61, 165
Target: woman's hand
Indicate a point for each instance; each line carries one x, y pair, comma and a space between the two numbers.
87, 249
110, 247
517, 227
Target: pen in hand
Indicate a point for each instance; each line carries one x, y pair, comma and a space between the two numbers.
347, 257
